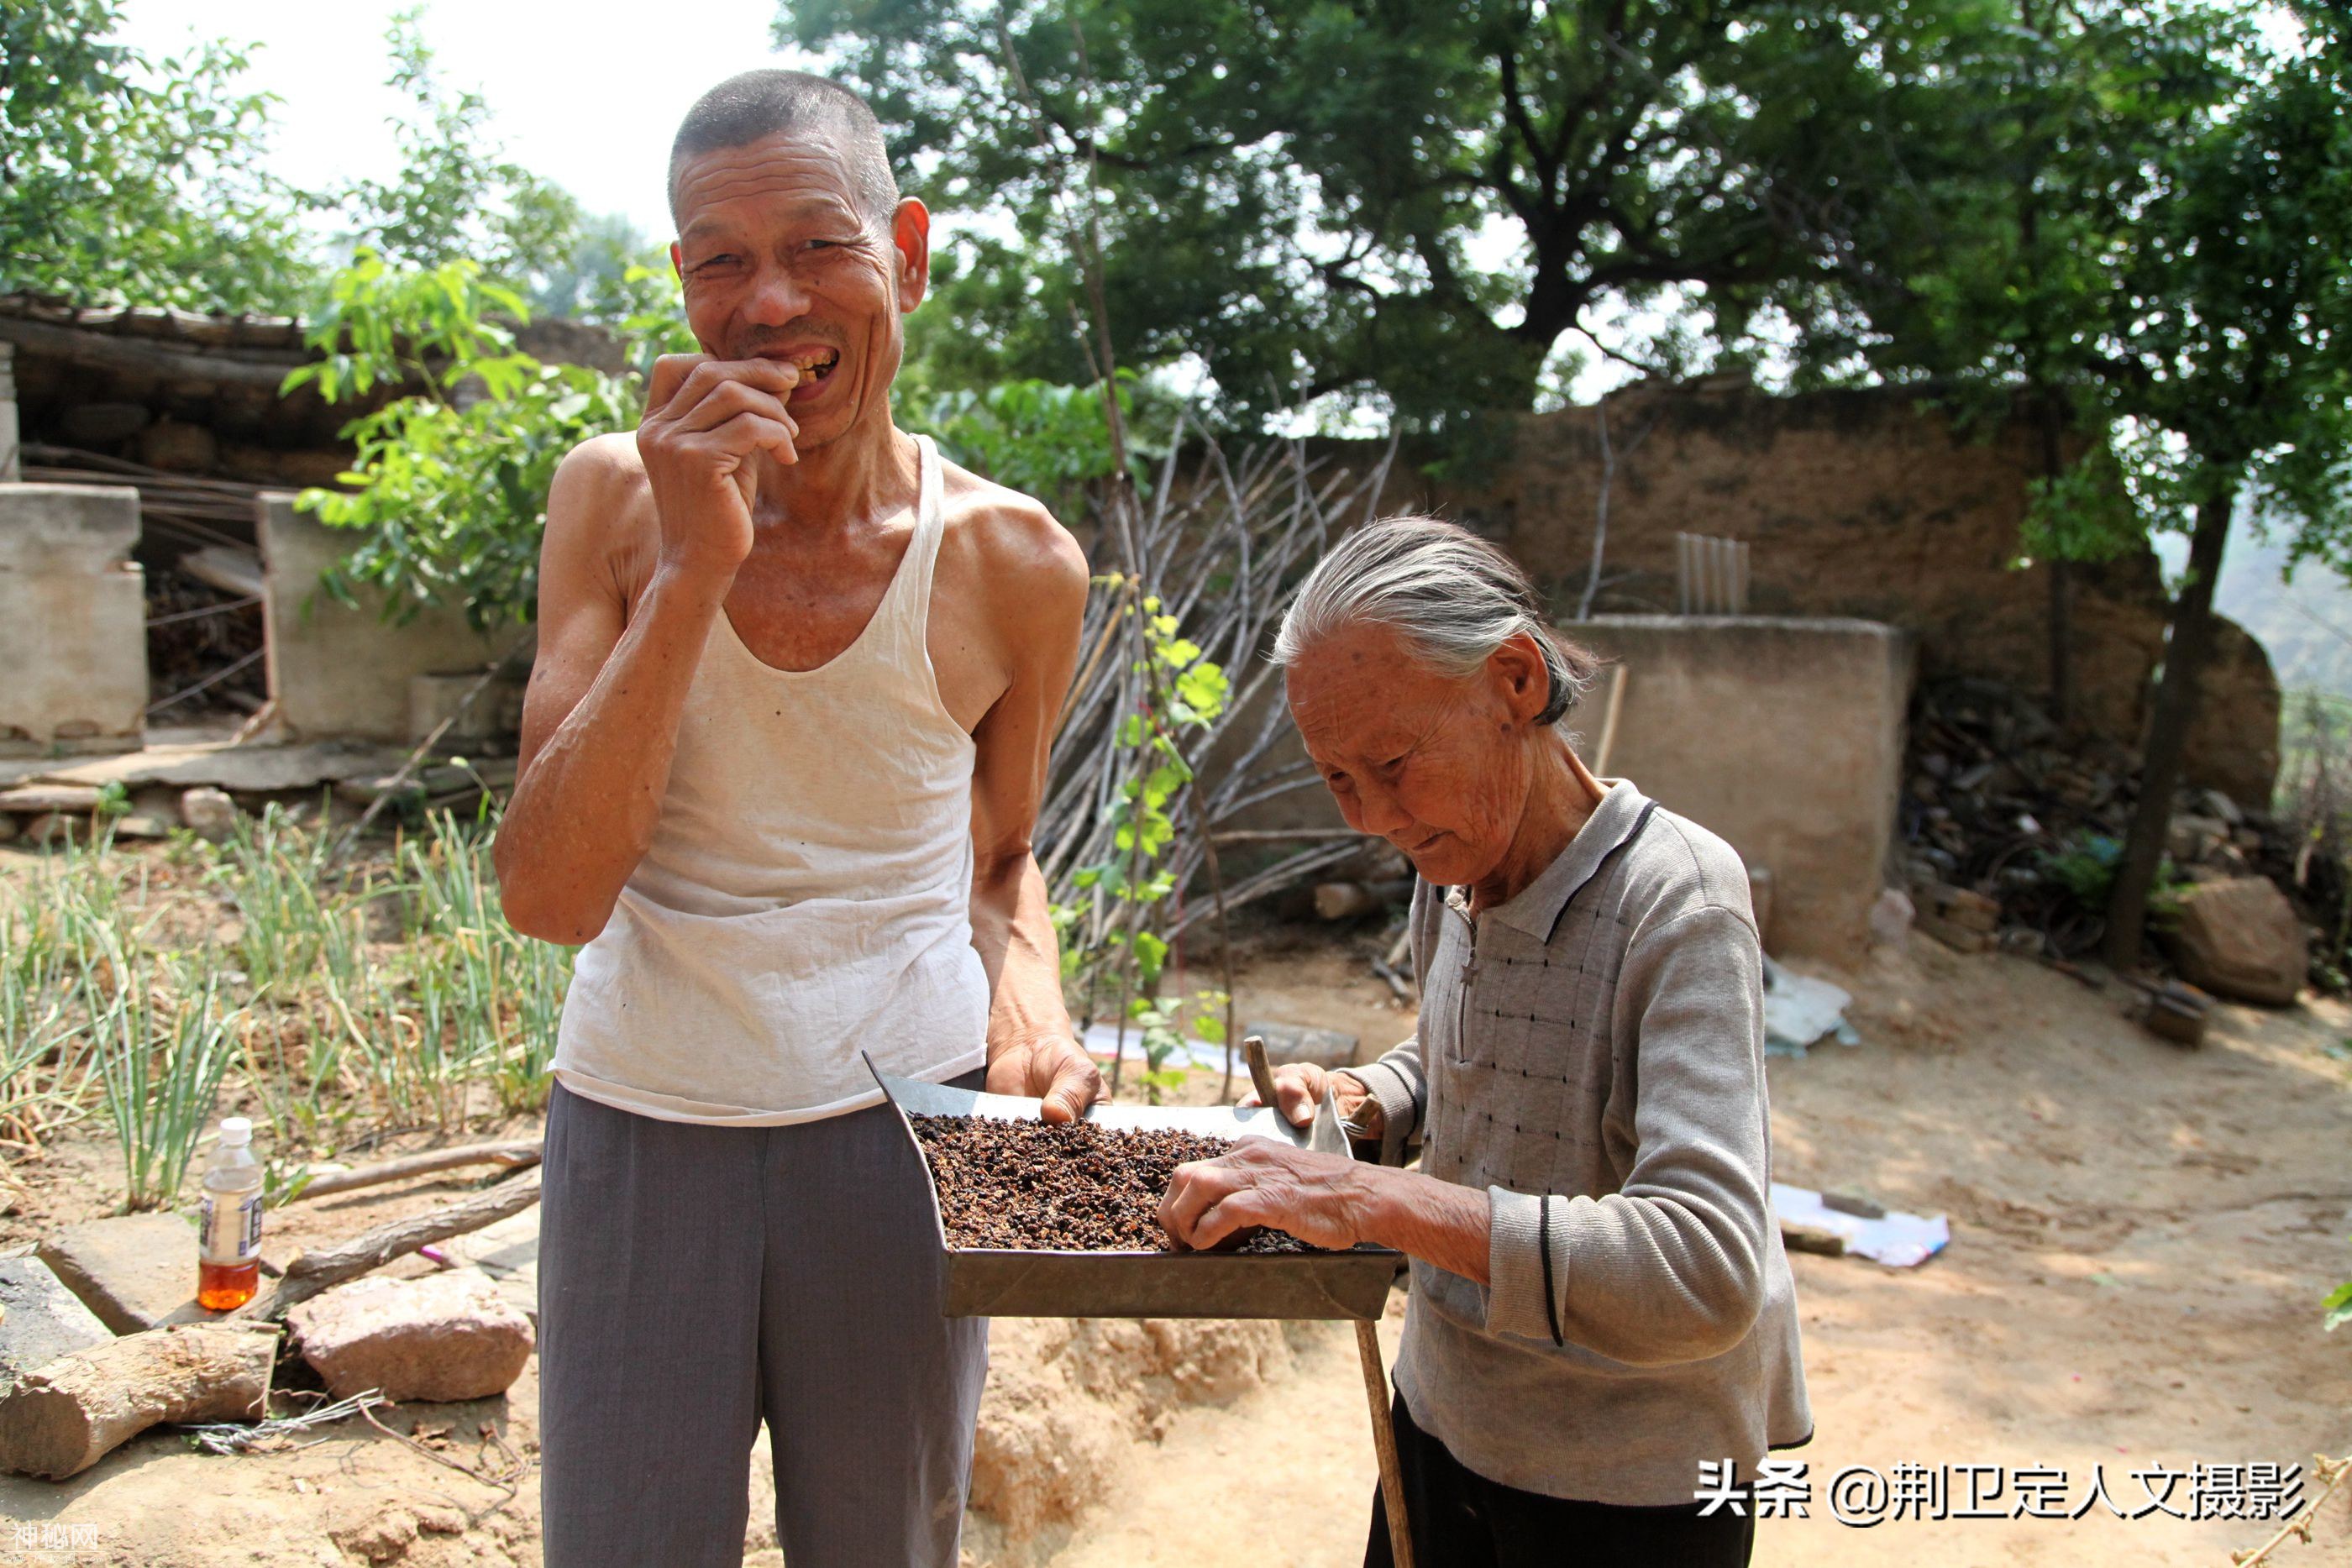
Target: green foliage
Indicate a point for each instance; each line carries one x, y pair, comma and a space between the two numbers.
1183, 692
449, 488
1035, 436
124, 179
1296, 191
344, 994
2086, 869
457, 196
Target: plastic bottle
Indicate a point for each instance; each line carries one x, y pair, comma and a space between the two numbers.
228, 1268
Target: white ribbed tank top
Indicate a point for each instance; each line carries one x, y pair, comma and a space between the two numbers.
807, 891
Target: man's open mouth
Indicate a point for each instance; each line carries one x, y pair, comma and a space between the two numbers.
815, 364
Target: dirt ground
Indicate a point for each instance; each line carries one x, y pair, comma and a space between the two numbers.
2141, 1237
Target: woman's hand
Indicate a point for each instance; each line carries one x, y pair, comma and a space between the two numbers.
1299, 1091
1325, 1200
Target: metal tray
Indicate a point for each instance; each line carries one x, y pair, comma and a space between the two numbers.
998, 1283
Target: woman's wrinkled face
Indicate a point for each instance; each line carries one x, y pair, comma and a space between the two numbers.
778, 262
1437, 765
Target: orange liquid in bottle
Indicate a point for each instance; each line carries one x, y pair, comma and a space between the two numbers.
221, 1286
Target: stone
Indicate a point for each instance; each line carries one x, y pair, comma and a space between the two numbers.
1958, 937
73, 619
134, 1270
178, 448
103, 423
344, 669
143, 825
49, 798
2190, 837
1289, 1042
2239, 937
2219, 805
508, 1253
1969, 909
447, 1337
209, 814
8, 829
42, 1321
55, 830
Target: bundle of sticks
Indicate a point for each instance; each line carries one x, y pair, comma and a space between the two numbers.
1220, 543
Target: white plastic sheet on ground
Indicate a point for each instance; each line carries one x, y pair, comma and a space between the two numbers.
1898, 1240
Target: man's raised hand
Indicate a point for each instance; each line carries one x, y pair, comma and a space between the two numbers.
1299, 1085
1053, 1070
707, 420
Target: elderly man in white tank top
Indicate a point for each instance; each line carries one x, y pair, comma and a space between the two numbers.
781, 758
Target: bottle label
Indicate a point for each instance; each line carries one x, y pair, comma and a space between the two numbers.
231, 1235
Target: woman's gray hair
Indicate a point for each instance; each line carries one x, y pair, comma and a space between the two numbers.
1453, 597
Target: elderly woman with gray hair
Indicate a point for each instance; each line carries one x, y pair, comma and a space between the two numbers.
1599, 1298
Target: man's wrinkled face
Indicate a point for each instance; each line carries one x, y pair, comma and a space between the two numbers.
777, 261
1437, 765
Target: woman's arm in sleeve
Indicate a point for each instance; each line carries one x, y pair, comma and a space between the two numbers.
1397, 1085
1670, 1267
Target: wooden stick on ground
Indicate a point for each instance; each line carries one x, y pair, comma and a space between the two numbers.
1376, 1392
64, 1417
514, 1152
312, 1272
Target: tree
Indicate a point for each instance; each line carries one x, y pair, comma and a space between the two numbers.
2148, 238
2233, 371
1296, 189
456, 195
1978, 264
129, 180
449, 484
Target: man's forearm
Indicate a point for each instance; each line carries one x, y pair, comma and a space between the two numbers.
1439, 1222
583, 810
1013, 928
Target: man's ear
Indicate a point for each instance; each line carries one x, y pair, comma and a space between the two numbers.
910, 235
676, 261
1519, 672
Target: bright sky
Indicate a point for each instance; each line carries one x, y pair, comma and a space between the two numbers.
585, 94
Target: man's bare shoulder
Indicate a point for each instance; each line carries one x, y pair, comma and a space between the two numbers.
603, 475
600, 511
1014, 544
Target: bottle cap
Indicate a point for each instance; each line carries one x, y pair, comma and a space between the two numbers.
236, 1130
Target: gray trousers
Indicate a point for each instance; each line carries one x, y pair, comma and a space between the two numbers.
696, 1279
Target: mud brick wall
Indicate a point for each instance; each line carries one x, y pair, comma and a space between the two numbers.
1863, 505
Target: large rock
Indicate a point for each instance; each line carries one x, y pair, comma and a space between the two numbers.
1287, 1042
445, 1336
2239, 937
209, 814
134, 1271
508, 1253
40, 1320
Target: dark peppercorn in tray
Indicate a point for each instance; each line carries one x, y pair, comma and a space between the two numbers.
1063, 1186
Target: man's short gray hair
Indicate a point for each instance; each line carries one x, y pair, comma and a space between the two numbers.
1453, 597
760, 103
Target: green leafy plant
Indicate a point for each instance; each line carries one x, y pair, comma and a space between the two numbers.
1182, 690
449, 488
130, 180
162, 1030
2087, 868
1041, 438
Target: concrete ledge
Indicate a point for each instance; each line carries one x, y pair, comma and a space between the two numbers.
340, 670
1783, 736
73, 619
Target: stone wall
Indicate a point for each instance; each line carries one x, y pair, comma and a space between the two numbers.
73, 619
1783, 736
344, 670
1855, 504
